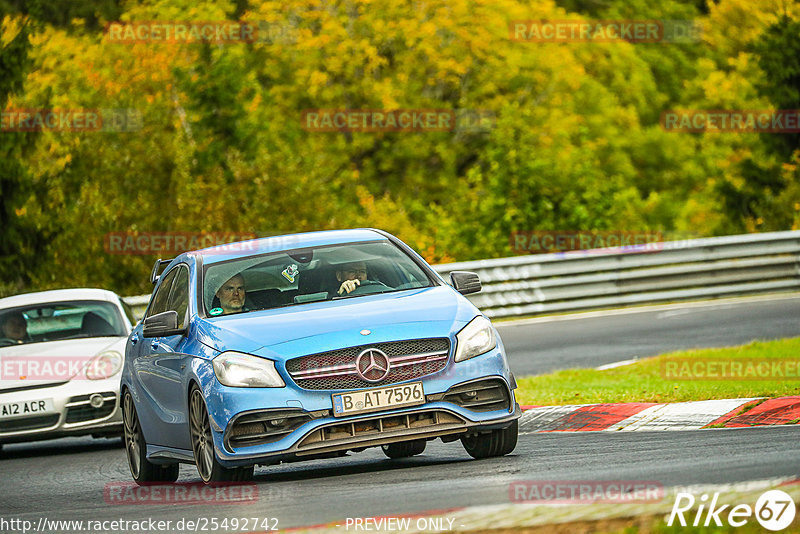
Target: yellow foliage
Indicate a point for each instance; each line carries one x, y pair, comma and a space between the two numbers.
10, 28
387, 215
733, 24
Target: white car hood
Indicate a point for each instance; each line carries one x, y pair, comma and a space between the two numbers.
57, 355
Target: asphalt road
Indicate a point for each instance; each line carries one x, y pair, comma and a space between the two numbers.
541, 347
66, 481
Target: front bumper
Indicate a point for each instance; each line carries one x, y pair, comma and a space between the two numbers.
316, 432
426, 422
73, 414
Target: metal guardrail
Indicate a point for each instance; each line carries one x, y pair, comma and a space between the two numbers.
658, 272
610, 278
138, 304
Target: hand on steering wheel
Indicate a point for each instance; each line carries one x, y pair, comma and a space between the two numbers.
348, 286
361, 288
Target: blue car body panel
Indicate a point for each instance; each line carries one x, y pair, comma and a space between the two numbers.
160, 372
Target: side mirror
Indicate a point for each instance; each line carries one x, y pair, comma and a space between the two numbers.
162, 324
465, 282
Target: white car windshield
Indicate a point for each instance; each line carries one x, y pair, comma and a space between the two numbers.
37, 323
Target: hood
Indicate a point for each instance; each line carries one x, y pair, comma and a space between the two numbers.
51, 362
314, 327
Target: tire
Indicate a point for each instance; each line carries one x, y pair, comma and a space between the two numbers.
494, 443
142, 470
404, 449
208, 467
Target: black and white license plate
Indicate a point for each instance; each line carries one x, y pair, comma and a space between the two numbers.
373, 400
9, 410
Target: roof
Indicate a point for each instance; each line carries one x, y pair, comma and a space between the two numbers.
287, 242
58, 295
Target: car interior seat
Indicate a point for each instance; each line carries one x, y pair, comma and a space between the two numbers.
95, 326
323, 278
264, 298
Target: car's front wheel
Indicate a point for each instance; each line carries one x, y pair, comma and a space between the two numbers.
205, 458
142, 470
404, 449
494, 443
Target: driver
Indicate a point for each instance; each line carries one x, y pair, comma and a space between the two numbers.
232, 295
15, 328
351, 275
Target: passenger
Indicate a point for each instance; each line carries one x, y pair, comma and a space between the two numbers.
351, 275
15, 328
232, 295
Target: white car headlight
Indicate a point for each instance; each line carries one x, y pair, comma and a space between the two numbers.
475, 339
241, 370
104, 365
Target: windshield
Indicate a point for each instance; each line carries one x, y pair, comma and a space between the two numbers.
60, 320
293, 277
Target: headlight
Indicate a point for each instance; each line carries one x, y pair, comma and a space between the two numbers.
475, 338
105, 365
240, 370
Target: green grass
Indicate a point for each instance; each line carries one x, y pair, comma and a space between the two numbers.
647, 380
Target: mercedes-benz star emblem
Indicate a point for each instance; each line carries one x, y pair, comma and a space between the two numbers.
372, 365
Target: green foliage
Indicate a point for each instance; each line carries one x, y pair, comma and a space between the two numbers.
61, 13
20, 240
575, 144
765, 195
778, 53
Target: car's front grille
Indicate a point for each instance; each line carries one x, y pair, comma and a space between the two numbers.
29, 423
80, 410
336, 369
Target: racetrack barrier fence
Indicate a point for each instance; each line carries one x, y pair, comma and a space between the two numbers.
580, 280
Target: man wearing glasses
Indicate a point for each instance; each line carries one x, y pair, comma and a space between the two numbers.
351, 275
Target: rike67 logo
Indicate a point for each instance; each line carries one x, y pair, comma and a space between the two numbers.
774, 510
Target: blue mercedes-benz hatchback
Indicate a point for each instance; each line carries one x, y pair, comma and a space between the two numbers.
309, 346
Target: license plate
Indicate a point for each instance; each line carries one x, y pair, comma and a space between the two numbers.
10, 410
373, 400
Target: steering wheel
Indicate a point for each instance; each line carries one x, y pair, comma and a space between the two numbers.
6, 341
366, 287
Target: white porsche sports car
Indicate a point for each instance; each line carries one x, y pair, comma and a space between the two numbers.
60, 358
